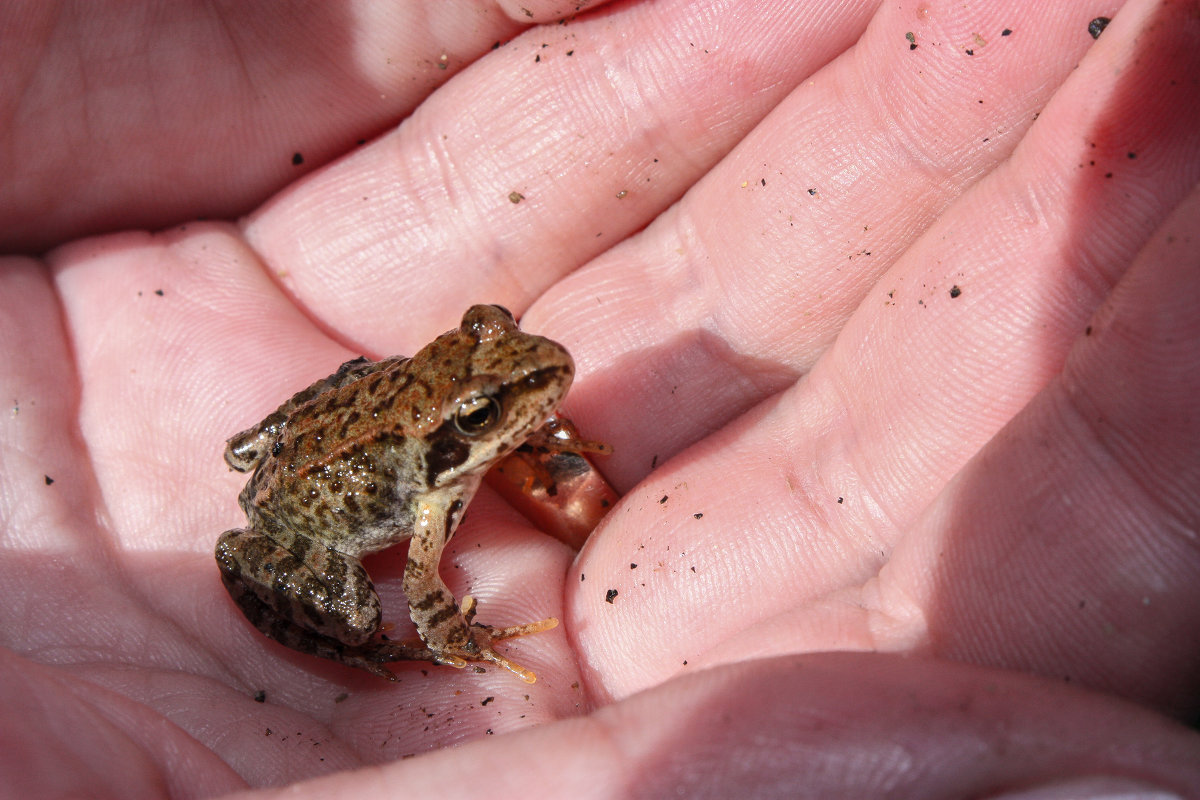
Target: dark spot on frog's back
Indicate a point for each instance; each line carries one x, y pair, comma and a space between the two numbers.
446, 452
351, 418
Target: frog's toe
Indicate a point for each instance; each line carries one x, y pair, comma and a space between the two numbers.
498, 634
516, 669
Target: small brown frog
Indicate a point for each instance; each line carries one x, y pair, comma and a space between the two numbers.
380, 452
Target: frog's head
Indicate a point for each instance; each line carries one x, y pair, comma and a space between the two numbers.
496, 385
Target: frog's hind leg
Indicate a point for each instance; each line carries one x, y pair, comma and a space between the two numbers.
309, 599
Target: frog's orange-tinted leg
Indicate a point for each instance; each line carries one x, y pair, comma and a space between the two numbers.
553, 484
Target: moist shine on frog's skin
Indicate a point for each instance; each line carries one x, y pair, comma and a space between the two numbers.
380, 452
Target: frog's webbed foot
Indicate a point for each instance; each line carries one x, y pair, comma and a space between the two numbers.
372, 656
469, 607
484, 635
477, 649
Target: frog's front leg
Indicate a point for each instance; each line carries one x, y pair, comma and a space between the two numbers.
448, 631
308, 597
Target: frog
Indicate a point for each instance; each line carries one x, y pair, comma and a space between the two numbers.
378, 453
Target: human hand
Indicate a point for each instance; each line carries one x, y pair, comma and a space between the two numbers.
879, 465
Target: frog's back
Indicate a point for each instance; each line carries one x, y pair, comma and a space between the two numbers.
340, 471
382, 408
246, 449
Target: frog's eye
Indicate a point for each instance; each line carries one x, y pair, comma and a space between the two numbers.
477, 415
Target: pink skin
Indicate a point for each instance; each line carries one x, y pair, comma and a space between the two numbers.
988, 503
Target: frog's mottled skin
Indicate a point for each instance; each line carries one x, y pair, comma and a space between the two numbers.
377, 453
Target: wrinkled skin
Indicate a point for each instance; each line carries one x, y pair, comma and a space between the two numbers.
913, 361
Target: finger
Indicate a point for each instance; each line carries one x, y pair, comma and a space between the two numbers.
827, 725
67, 736
47, 494
736, 291
922, 376
173, 360
1068, 547
118, 118
545, 153
807, 494
44, 486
